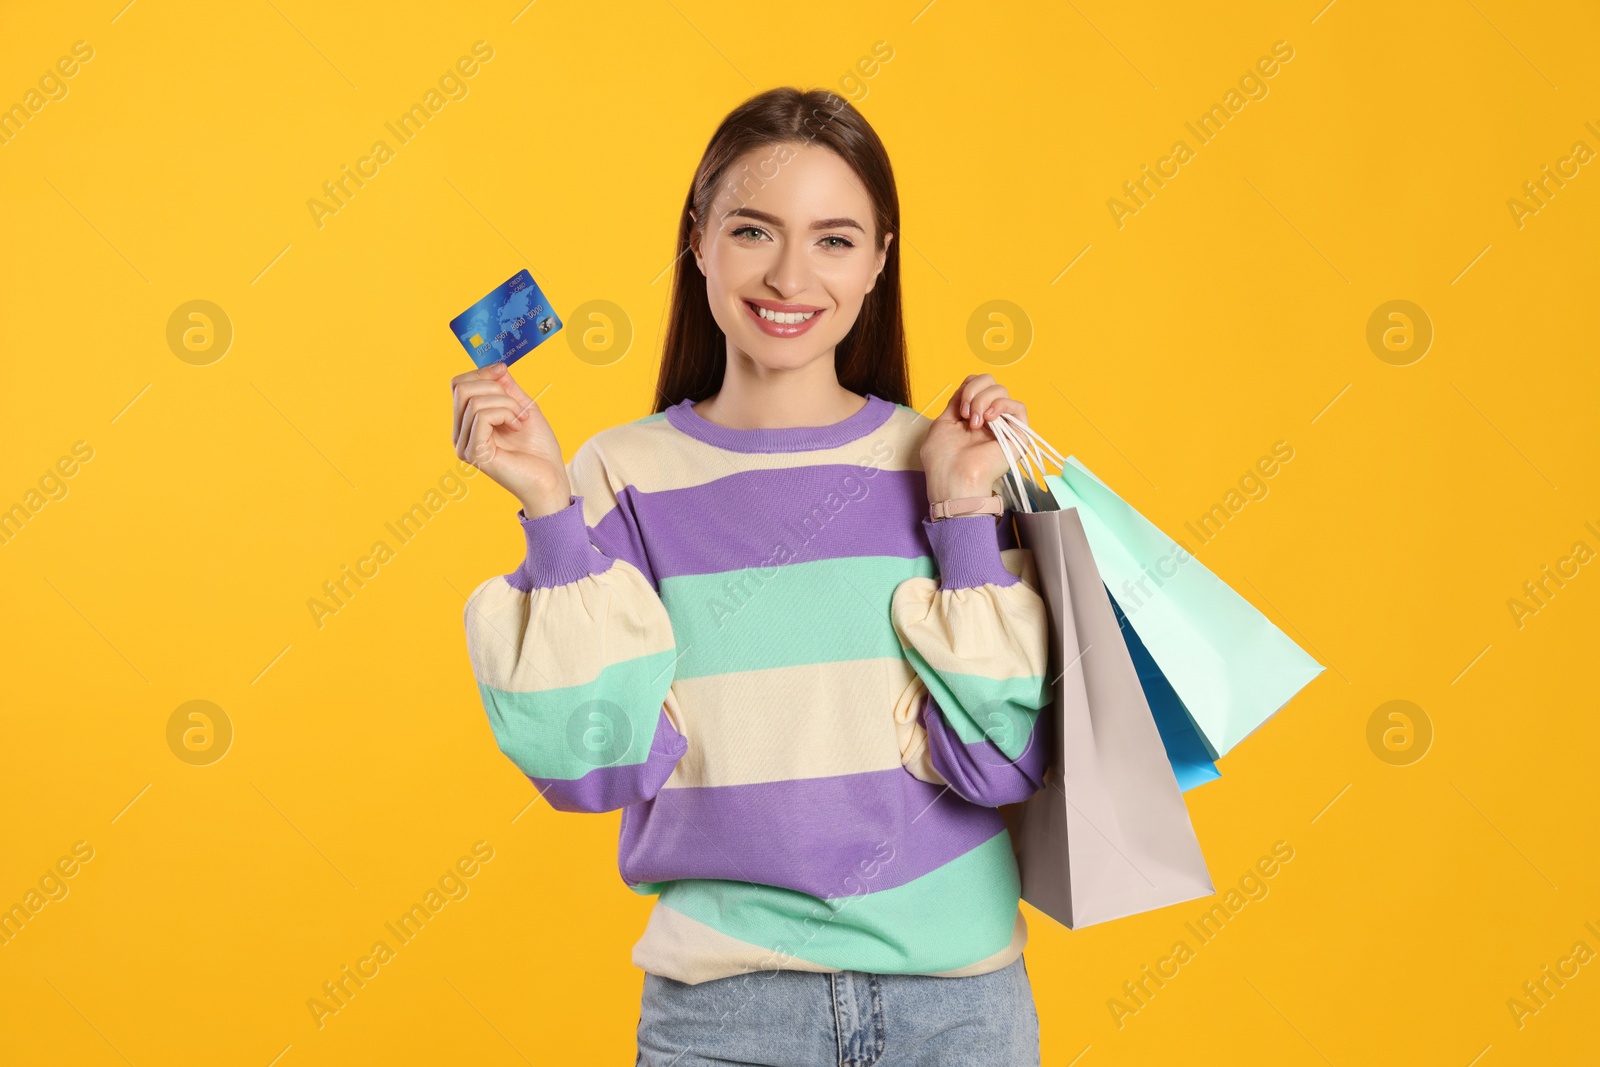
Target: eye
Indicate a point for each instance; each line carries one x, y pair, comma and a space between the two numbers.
844, 242
747, 229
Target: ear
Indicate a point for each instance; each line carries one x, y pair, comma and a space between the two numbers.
883, 257
694, 240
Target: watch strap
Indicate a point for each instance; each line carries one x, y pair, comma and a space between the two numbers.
966, 505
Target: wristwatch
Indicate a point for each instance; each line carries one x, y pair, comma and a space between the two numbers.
966, 505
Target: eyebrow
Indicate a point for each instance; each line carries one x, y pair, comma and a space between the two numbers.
820, 224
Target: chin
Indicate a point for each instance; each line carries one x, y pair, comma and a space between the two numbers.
783, 355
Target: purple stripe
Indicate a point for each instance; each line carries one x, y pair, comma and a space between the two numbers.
828, 511
968, 550
825, 511
813, 835
873, 414
558, 550
617, 534
980, 772
610, 788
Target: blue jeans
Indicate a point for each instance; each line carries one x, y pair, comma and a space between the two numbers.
849, 1019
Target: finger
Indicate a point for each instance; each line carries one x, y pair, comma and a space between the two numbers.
465, 391
1008, 406
957, 398
509, 384
477, 444
981, 400
495, 399
504, 407
970, 388
477, 439
477, 374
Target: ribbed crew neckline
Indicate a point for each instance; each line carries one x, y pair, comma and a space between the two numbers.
873, 414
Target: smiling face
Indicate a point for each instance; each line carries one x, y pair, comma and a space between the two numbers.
789, 253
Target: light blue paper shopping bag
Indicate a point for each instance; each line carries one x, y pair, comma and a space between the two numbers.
1191, 759
1230, 667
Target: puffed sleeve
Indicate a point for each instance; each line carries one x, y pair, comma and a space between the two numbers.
573, 652
977, 639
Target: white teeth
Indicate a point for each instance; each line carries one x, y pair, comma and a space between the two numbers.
783, 318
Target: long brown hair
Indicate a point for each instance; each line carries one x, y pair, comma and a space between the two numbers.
871, 358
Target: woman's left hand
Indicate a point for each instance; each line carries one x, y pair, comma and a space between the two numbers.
960, 455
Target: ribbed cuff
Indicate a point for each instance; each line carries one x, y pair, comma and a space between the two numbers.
559, 550
967, 550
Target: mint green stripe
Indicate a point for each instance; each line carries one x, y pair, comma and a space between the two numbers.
822, 611
958, 914
979, 708
565, 733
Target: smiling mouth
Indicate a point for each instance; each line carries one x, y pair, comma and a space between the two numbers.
783, 323
782, 318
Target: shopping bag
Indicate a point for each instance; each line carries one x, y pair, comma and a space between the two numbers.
1229, 667
1108, 835
1186, 749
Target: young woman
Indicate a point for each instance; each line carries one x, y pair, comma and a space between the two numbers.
779, 625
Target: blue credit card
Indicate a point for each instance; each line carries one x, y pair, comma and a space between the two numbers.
508, 323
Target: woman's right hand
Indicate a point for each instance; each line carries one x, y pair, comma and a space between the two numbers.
501, 431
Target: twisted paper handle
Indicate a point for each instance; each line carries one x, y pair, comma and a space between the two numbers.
1019, 442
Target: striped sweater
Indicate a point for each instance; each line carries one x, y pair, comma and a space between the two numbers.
806, 698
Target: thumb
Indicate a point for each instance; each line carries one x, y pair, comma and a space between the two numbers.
503, 375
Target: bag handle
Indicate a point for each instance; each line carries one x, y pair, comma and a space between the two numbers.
1013, 434
1013, 487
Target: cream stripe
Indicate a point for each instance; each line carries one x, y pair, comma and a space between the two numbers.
955, 637
809, 721
565, 635
591, 479
659, 456
687, 950
676, 946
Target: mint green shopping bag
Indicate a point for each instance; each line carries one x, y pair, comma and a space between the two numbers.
1230, 666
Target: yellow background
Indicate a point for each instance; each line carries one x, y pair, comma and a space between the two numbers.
1228, 314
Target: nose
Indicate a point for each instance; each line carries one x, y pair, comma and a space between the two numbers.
790, 273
